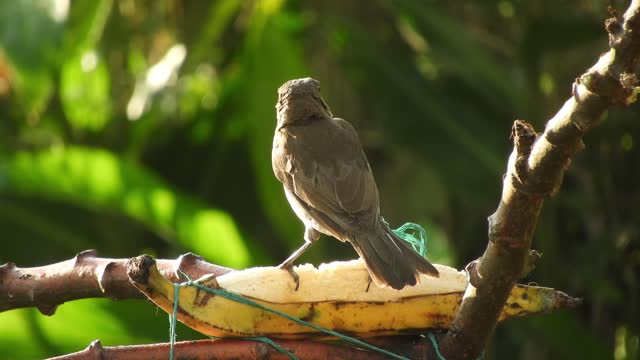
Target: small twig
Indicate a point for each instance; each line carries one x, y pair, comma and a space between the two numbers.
535, 171
84, 276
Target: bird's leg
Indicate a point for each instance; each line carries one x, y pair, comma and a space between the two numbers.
311, 235
369, 283
288, 264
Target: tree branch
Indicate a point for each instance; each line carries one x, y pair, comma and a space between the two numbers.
408, 346
535, 171
85, 276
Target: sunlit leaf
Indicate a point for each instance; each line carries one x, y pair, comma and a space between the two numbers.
98, 179
15, 336
84, 91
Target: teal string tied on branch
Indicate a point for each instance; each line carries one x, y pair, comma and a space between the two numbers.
419, 242
436, 348
172, 320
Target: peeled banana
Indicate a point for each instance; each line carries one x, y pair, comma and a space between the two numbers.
337, 296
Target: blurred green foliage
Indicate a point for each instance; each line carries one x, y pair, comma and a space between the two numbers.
145, 126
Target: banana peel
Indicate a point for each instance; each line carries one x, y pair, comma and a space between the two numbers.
337, 296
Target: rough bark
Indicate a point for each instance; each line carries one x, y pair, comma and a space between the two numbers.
410, 347
85, 276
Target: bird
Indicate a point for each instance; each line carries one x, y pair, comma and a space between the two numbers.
329, 184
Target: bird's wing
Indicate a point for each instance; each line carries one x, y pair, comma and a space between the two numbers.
319, 220
328, 171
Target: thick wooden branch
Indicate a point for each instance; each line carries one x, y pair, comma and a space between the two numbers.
410, 347
535, 171
85, 276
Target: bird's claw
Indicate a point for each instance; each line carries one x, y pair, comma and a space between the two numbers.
289, 268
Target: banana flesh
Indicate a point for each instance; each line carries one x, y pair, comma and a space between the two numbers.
333, 296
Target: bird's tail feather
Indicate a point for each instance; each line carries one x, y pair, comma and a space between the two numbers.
390, 260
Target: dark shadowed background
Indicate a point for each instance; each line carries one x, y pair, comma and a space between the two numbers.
145, 127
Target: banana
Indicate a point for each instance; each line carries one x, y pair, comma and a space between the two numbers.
337, 296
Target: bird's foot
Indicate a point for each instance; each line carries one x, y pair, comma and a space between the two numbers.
288, 266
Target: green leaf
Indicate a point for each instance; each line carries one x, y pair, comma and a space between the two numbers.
98, 179
84, 91
220, 14
30, 37
16, 339
34, 87
86, 23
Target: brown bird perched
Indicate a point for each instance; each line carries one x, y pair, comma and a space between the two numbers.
328, 183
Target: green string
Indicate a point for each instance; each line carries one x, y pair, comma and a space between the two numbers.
419, 243
266, 340
275, 345
243, 300
434, 343
172, 321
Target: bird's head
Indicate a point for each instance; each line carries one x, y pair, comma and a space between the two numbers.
299, 101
